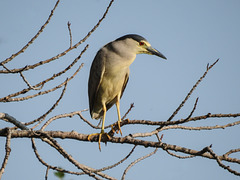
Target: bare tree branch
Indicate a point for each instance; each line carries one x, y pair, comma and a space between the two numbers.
34, 38
136, 161
28, 84
9, 97
231, 151
49, 166
46, 175
191, 91
178, 156
22, 130
62, 116
202, 127
12, 120
88, 170
118, 140
119, 162
42, 117
180, 121
7, 151
128, 111
70, 33
63, 53
221, 164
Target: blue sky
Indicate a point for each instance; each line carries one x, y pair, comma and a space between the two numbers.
189, 33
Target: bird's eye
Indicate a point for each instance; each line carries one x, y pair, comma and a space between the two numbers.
141, 43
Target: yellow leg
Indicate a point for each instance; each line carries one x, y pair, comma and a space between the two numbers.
119, 115
102, 129
104, 115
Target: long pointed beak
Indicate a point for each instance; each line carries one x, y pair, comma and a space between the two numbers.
155, 52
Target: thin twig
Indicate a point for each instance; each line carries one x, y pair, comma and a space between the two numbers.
66, 51
119, 162
178, 156
42, 117
187, 119
128, 111
95, 27
34, 38
13, 121
231, 151
7, 152
136, 161
49, 166
49, 90
180, 121
86, 121
159, 138
9, 97
28, 84
70, 33
167, 123
88, 170
1, 64
201, 127
191, 91
194, 108
135, 135
221, 164
141, 158
61, 116
46, 174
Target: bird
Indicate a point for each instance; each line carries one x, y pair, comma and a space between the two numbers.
109, 74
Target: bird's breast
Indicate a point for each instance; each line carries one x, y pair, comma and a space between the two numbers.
112, 84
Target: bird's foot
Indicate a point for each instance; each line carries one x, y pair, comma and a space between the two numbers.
113, 130
99, 137
128, 120
119, 128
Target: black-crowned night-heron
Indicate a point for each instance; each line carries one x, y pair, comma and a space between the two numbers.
110, 72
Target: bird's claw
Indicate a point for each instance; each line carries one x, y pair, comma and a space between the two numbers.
112, 128
99, 137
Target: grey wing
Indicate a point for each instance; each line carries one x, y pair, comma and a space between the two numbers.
95, 77
125, 82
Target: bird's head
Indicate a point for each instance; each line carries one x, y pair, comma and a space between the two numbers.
140, 45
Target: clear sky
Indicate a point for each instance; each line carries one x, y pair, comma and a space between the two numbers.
189, 33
